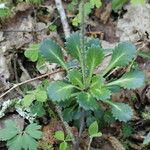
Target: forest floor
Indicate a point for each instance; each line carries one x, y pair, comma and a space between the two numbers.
31, 24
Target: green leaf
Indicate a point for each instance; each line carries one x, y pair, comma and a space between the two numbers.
121, 111
93, 128
28, 99
32, 52
41, 95
68, 138
63, 146
117, 4
68, 114
131, 80
144, 54
127, 130
4, 12
15, 143
97, 3
10, 130
41, 65
98, 89
59, 135
87, 8
147, 139
29, 143
75, 77
92, 42
73, 45
52, 52
122, 55
38, 109
33, 130
136, 2
94, 57
99, 134
86, 101
59, 90
76, 20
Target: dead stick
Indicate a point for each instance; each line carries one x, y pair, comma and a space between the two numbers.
30, 80
63, 17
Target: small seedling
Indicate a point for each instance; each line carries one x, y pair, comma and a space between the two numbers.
93, 132
18, 139
59, 135
88, 7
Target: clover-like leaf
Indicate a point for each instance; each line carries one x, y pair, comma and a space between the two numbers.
75, 77
98, 89
37, 109
59, 135
52, 52
121, 111
86, 101
10, 130
122, 55
97, 3
131, 80
41, 95
32, 52
63, 146
94, 57
33, 130
93, 128
28, 99
59, 90
73, 45
29, 143
15, 143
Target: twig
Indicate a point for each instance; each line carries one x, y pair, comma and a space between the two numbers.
69, 132
83, 40
67, 34
63, 17
30, 80
82, 122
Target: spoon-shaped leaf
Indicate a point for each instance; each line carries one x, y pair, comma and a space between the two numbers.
73, 45
122, 55
52, 52
131, 80
86, 101
59, 90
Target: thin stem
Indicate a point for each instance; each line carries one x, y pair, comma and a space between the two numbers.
90, 76
83, 41
63, 17
89, 145
82, 123
30, 80
111, 103
68, 130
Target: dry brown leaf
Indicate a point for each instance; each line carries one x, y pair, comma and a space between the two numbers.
50, 129
23, 6
116, 144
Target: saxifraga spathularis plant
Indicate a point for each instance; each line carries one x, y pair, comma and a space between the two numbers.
88, 90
